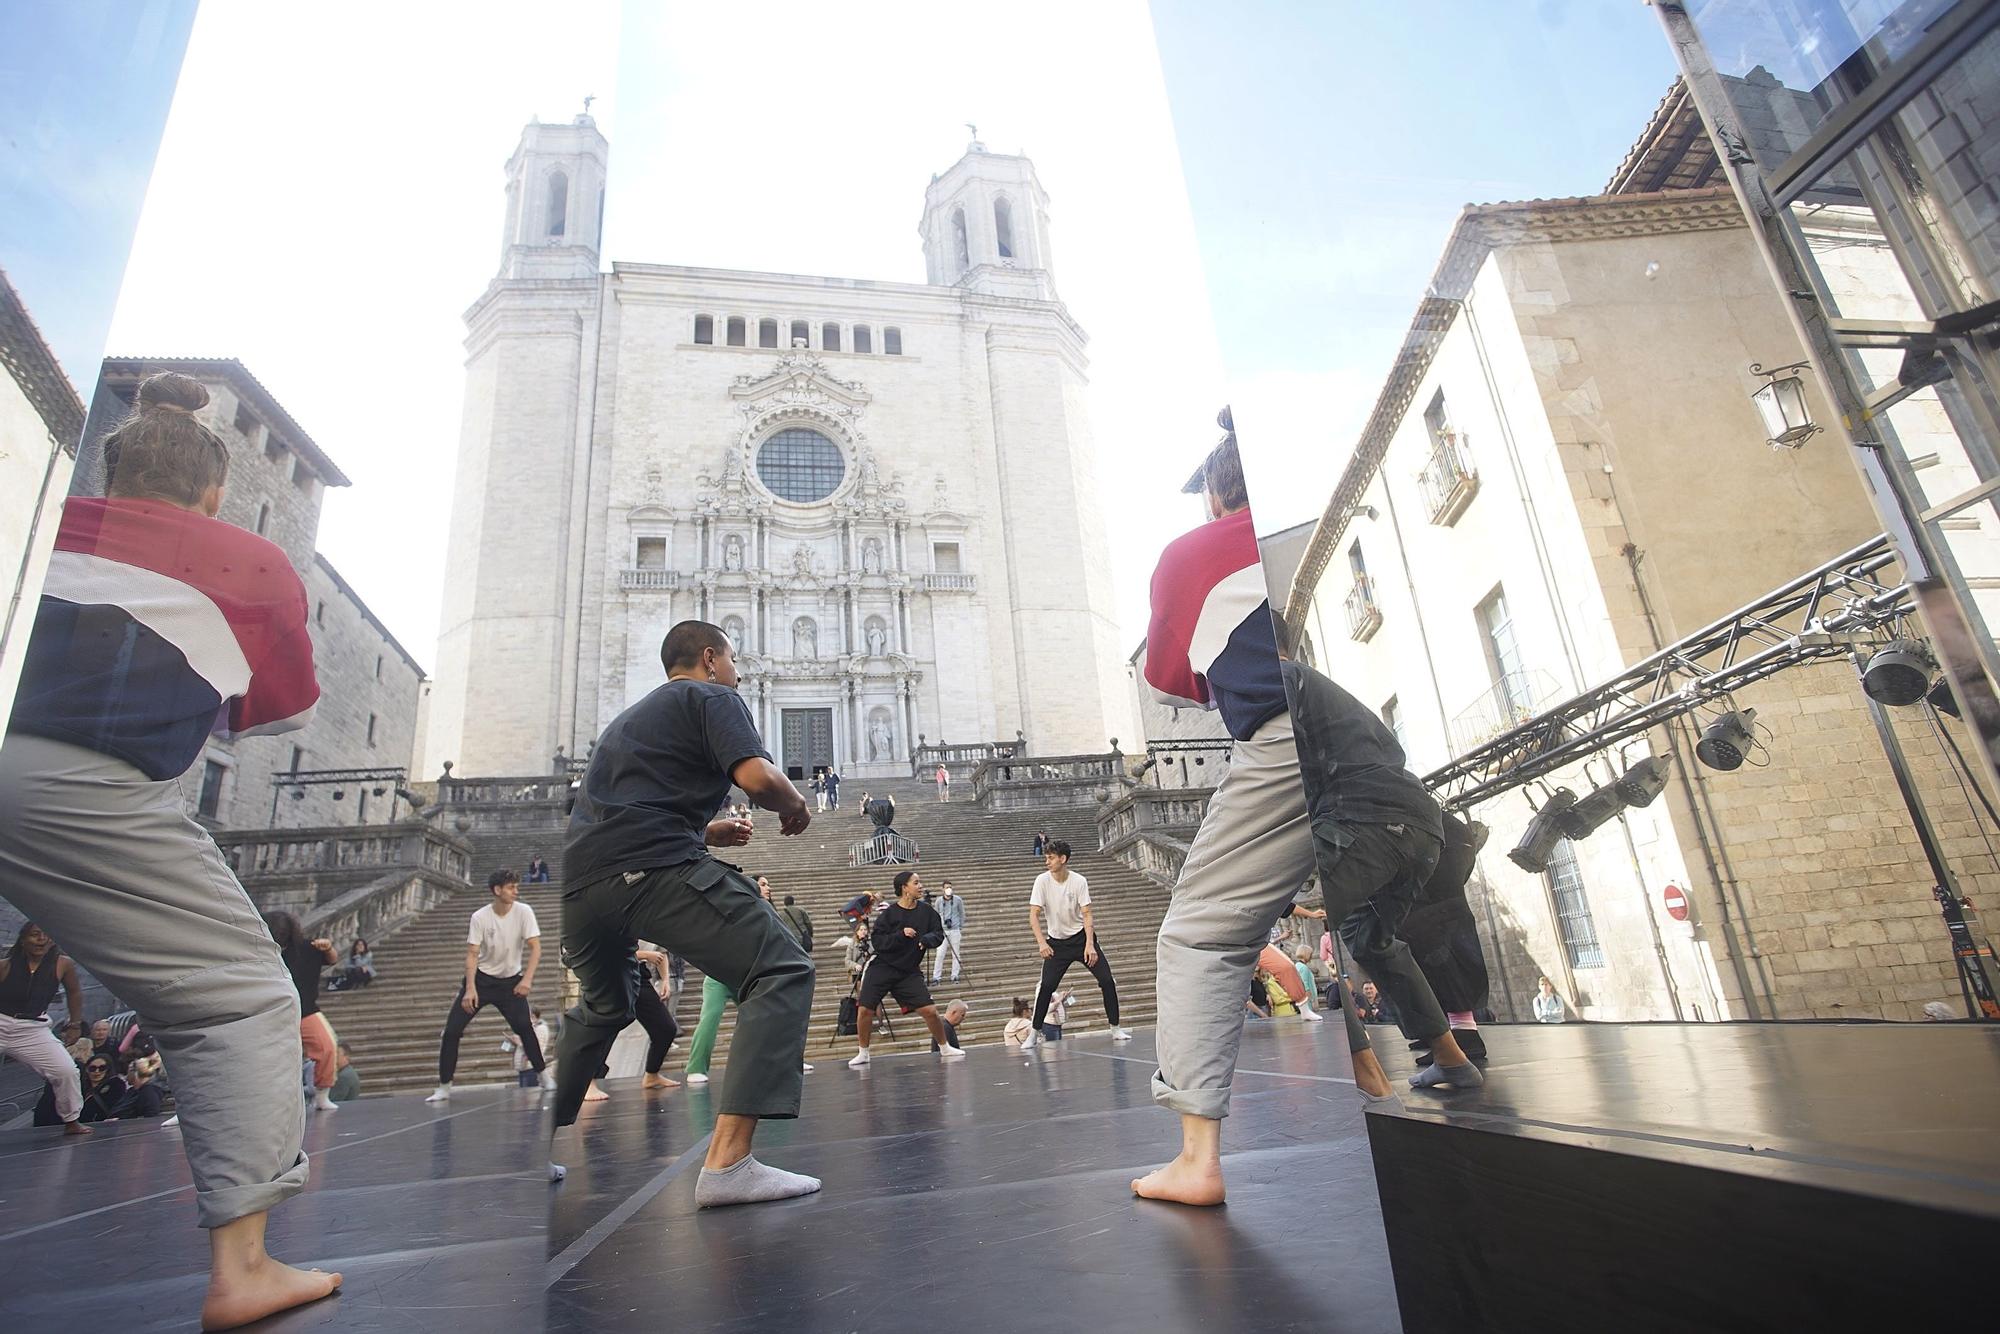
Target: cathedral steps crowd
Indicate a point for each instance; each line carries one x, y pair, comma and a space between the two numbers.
393, 1025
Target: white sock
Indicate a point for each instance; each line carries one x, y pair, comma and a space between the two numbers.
749, 1182
323, 1101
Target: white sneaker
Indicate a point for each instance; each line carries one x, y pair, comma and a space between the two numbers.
548, 1079
951, 1053
807, 1068
860, 1059
1121, 1035
1315, 1017
443, 1094
697, 1079
1030, 1042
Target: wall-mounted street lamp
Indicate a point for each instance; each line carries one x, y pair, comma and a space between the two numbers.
1781, 402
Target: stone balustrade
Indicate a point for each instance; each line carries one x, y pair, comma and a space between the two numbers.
301, 870
960, 760
381, 907
1150, 828
1032, 781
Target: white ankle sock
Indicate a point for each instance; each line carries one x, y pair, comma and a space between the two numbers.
749, 1182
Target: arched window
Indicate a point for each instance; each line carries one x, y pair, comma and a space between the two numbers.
1003, 226
963, 247
558, 202
767, 333
704, 329
734, 331
864, 338
829, 337
801, 333
892, 342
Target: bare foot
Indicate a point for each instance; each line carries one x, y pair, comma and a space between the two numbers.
595, 1094
1183, 1182
265, 1288
1369, 1076
75, 1128
659, 1082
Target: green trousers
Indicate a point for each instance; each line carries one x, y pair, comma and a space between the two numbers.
713, 997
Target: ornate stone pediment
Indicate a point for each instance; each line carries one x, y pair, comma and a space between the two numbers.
799, 385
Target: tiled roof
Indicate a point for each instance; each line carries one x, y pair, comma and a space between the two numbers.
35, 369
1674, 152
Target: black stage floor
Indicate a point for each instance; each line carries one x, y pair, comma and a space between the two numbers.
435, 1216
988, 1194
1904, 1111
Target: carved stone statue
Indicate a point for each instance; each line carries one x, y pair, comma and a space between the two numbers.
805, 638
871, 556
733, 627
732, 552
802, 559
881, 741
878, 637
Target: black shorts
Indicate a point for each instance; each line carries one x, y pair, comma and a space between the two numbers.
880, 981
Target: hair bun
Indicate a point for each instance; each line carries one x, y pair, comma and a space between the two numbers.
173, 391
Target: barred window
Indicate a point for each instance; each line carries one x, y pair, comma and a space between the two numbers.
801, 465
1579, 932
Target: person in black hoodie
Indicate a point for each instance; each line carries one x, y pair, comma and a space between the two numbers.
901, 934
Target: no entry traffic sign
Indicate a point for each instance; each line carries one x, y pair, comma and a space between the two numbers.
1677, 903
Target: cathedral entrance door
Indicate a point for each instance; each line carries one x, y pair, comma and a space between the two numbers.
808, 741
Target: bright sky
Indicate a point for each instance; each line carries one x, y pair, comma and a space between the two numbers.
328, 203
1329, 148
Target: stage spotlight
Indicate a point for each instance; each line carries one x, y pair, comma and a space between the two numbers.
381, 791
1941, 697
1543, 833
340, 794
1583, 819
1647, 779
298, 794
1898, 673
1725, 741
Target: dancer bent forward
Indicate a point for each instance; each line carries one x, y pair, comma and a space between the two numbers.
158, 624
1211, 644
901, 934
637, 864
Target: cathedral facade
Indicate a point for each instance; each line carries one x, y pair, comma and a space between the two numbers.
883, 492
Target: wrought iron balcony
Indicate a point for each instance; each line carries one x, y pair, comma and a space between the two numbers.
1507, 703
1449, 480
1364, 613
649, 581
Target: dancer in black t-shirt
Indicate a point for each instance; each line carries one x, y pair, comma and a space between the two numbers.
901, 934
636, 865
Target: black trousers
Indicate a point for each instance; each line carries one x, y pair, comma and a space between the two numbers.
656, 1019
499, 993
1069, 950
710, 913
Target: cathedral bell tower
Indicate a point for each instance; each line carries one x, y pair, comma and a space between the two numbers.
555, 201
986, 227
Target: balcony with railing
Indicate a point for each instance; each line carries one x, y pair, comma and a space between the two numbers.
1506, 704
649, 580
951, 583
1449, 481
1364, 613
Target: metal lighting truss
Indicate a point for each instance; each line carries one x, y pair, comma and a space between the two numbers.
1817, 616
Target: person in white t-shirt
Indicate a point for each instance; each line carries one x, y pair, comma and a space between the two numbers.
1062, 896
496, 974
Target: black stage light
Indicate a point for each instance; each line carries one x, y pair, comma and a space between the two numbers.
340, 794
1941, 697
1899, 672
1582, 820
381, 791
1531, 854
298, 794
1647, 779
1725, 741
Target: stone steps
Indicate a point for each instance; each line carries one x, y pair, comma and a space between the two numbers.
394, 1025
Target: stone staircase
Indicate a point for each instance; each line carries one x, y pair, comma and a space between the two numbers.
989, 857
